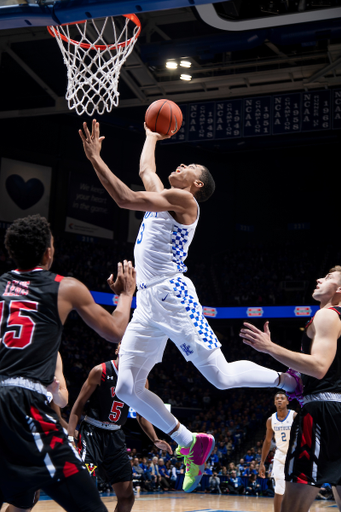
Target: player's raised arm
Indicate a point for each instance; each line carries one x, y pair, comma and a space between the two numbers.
151, 180
177, 200
75, 295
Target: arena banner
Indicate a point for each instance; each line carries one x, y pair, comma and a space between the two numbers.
109, 299
90, 210
277, 114
24, 189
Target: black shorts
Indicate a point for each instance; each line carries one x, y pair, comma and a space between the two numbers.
314, 454
106, 452
34, 449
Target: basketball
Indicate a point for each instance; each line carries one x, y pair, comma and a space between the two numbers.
164, 116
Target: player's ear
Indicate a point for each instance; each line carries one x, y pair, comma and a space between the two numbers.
47, 256
199, 183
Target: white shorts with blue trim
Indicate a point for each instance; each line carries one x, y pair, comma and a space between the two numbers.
278, 474
168, 310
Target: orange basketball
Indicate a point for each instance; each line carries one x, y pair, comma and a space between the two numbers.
164, 116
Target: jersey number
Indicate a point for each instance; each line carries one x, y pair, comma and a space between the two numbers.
116, 407
284, 436
22, 336
140, 235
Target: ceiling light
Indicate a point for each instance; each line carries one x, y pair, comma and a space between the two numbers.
185, 64
188, 78
171, 64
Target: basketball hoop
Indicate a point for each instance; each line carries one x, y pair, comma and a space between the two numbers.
94, 64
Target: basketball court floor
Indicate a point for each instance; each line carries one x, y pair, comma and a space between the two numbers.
195, 502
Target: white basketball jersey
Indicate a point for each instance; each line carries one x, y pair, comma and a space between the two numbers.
282, 429
161, 246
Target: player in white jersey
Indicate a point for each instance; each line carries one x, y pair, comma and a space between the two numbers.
167, 303
278, 426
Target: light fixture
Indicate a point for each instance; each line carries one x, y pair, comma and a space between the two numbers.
185, 63
185, 77
171, 64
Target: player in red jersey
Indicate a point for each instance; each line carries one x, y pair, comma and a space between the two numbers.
34, 304
314, 453
101, 439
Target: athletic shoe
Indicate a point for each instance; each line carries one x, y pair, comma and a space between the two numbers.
298, 391
194, 458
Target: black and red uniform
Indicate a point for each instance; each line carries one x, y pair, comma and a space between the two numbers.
34, 449
314, 454
101, 440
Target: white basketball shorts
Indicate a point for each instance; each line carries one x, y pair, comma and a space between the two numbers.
168, 310
278, 475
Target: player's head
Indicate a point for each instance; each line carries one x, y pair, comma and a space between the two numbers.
281, 400
329, 286
195, 176
29, 242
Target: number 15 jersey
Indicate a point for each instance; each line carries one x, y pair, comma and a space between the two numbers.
30, 327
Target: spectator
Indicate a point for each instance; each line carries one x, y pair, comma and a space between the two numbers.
235, 483
214, 484
155, 474
253, 488
165, 479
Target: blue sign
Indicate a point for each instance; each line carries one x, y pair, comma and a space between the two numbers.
109, 299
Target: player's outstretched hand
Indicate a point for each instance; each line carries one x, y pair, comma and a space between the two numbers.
125, 280
92, 142
158, 136
162, 445
257, 339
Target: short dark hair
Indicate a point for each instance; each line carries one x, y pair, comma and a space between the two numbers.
280, 392
207, 190
27, 239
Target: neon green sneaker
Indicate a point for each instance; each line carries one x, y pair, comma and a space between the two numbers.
194, 458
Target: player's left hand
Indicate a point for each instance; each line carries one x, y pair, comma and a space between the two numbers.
255, 338
92, 142
162, 445
158, 136
125, 280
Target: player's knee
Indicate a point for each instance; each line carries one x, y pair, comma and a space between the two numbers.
124, 391
125, 501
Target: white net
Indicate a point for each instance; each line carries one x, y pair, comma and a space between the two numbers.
93, 64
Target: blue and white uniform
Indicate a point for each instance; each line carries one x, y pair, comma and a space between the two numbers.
282, 430
167, 303
168, 308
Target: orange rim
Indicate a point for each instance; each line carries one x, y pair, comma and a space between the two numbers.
53, 30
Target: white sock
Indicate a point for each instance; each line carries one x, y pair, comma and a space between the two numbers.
287, 382
182, 436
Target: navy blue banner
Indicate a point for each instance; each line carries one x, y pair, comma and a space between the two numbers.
286, 113
316, 111
260, 116
228, 115
257, 116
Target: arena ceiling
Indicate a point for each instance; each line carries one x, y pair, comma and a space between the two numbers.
237, 48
